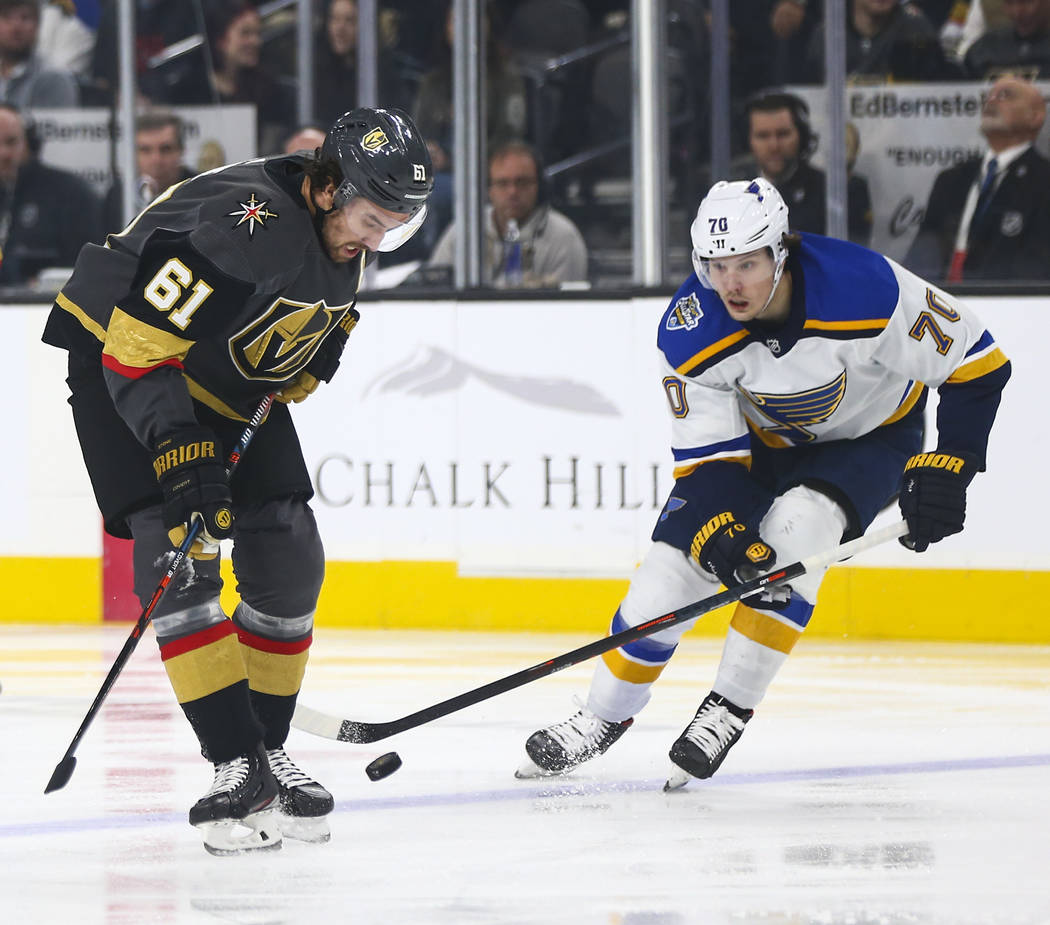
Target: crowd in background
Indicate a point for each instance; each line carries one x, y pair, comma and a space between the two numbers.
560, 99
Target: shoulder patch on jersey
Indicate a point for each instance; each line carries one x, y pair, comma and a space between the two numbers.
695, 330
253, 212
685, 314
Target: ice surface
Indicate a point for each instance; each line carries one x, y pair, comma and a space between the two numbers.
878, 783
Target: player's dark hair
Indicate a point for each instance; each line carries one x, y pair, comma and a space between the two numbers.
321, 170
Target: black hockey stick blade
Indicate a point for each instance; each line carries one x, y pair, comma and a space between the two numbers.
62, 773
65, 768
361, 733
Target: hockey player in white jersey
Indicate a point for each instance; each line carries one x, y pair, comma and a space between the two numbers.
796, 370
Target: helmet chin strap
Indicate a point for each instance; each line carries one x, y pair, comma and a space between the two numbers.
318, 218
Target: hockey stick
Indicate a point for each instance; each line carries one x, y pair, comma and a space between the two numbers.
359, 733
65, 768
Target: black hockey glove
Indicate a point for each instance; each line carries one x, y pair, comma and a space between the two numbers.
933, 497
192, 476
735, 553
323, 364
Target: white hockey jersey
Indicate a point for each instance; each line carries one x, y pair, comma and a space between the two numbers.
864, 339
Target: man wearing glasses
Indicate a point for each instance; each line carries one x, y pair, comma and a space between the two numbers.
528, 244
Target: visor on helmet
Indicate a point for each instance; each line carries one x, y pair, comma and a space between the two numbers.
711, 270
394, 237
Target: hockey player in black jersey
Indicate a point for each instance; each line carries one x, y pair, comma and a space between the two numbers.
231, 285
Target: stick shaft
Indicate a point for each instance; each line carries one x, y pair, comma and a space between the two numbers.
143, 621
345, 730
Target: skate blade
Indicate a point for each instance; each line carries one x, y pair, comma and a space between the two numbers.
256, 832
311, 829
529, 770
676, 778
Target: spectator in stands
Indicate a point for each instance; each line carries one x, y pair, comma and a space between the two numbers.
768, 42
159, 149
46, 214
335, 67
1022, 47
981, 16
306, 138
989, 217
211, 155
781, 142
25, 80
885, 40
505, 108
67, 35
158, 25
237, 74
413, 26
527, 242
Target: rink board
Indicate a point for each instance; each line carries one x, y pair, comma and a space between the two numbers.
500, 465
870, 603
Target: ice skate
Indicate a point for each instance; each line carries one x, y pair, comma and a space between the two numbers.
239, 812
702, 747
563, 746
304, 803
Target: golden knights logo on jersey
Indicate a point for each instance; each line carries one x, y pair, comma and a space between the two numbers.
792, 414
686, 314
280, 343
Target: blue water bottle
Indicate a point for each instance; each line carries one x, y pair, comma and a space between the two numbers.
512, 275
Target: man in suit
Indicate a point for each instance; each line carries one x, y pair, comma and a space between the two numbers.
989, 217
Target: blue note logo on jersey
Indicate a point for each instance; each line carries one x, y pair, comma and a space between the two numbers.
685, 315
792, 414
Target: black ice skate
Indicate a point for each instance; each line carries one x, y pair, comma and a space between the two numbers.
239, 813
563, 746
304, 803
702, 747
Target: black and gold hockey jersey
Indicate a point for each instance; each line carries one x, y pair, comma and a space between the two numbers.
222, 282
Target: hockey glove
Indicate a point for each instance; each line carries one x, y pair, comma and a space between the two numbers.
192, 476
735, 553
933, 497
323, 364
299, 389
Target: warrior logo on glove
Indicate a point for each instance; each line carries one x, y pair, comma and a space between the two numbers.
180, 455
933, 497
193, 481
758, 553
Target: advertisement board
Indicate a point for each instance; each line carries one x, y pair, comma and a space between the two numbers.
908, 134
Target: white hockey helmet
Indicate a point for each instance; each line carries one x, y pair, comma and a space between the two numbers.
738, 217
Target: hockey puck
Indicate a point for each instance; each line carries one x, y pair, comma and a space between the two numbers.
383, 766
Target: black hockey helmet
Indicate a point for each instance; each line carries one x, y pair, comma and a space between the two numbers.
382, 157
